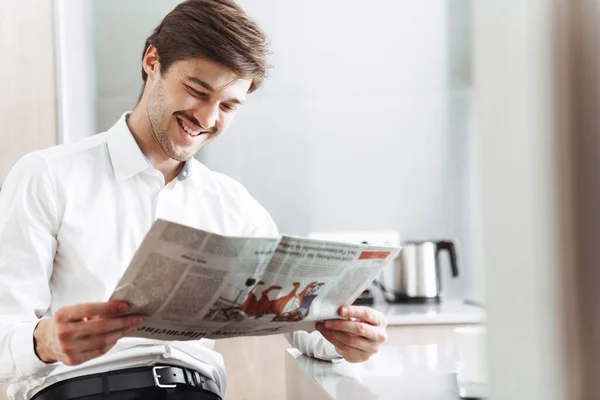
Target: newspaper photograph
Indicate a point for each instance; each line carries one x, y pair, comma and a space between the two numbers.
192, 284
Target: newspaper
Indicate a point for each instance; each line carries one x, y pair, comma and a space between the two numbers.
192, 284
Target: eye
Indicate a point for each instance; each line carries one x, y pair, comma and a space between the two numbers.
228, 107
196, 93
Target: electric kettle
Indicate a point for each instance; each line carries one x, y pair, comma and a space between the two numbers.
414, 276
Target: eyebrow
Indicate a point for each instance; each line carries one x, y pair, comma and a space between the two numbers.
206, 86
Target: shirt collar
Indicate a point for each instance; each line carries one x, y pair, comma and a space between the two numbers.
127, 158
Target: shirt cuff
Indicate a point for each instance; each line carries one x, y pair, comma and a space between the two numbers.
333, 355
23, 354
313, 345
338, 357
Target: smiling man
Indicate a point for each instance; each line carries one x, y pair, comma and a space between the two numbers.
72, 216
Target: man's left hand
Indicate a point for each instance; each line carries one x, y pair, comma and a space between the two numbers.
358, 336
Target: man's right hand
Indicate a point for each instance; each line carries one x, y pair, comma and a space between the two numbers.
79, 333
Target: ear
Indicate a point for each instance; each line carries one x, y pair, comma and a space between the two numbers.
150, 62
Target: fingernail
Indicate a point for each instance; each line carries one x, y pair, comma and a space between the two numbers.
319, 325
123, 307
328, 324
344, 312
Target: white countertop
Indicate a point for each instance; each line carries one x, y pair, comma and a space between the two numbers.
445, 312
418, 372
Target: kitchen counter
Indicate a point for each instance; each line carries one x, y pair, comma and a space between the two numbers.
417, 372
409, 325
446, 312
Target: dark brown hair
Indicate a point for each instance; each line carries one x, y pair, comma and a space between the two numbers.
217, 30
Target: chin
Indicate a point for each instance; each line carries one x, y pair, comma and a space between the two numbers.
183, 156
183, 153
178, 153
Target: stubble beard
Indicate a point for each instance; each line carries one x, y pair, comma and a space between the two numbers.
159, 122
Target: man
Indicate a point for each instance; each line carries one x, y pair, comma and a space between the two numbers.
72, 216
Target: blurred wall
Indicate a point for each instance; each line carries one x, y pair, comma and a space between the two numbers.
536, 72
27, 90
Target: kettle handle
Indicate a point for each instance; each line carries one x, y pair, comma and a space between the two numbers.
448, 244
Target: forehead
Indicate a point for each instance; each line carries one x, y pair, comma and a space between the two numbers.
217, 76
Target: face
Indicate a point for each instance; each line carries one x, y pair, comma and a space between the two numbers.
192, 103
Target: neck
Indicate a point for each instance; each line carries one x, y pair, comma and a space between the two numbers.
141, 129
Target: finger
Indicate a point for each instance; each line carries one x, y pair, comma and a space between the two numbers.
349, 354
104, 325
365, 314
351, 341
77, 352
80, 358
90, 355
101, 342
340, 347
80, 311
356, 328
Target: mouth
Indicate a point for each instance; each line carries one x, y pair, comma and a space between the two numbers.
187, 128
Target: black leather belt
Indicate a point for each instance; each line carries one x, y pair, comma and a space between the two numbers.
163, 376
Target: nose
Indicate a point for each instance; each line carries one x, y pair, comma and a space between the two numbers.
207, 114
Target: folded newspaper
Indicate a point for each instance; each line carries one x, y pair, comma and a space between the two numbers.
192, 284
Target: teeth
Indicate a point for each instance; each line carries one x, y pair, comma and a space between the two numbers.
187, 129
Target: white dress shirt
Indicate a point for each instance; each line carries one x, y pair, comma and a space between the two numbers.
72, 216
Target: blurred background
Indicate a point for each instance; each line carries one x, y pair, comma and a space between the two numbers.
473, 121
367, 108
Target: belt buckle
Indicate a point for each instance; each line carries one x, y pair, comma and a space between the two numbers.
157, 378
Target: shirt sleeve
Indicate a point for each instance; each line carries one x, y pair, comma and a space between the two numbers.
28, 226
260, 223
313, 345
